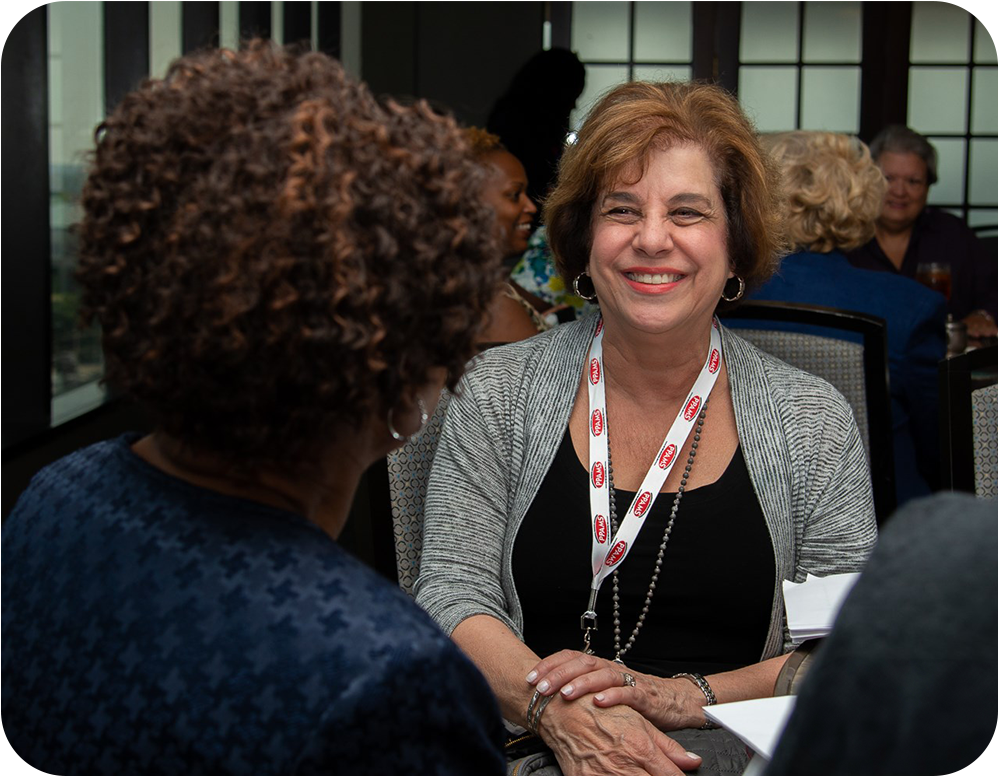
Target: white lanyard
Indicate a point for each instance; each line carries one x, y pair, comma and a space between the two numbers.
608, 553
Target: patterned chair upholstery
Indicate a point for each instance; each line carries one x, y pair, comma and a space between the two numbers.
984, 440
849, 350
409, 468
968, 386
838, 361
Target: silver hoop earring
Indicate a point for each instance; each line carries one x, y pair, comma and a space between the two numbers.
739, 294
423, 423
576, 287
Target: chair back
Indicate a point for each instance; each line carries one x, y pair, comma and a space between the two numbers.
398, 501
968, 422
847, 348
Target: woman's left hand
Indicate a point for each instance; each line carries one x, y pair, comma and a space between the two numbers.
667, 703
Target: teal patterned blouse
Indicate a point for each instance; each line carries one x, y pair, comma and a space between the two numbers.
536, 273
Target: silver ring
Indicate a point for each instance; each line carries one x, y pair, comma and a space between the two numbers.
628, 679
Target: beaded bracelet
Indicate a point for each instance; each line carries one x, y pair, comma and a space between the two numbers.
699, 680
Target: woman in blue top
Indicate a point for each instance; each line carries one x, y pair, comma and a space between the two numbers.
833, 195
286, 273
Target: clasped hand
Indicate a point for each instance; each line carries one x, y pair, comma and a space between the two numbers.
611, 733
669, 704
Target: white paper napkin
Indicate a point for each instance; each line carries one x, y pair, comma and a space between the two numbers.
758, 723
812, 606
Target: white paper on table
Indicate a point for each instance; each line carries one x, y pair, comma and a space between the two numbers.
812, 606
758, 723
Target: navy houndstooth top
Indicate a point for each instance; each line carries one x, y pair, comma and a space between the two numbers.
151, 626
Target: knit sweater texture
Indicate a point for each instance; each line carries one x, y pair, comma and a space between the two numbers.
503, 428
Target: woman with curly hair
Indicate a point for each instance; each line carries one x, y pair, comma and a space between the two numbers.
833, 195
644, 479
286, 273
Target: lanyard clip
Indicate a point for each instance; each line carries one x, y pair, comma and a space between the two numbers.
588, 621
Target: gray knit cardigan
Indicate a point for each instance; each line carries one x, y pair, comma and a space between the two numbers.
502, 430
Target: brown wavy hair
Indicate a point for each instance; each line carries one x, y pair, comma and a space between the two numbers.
636, 118
272, 254
833, 189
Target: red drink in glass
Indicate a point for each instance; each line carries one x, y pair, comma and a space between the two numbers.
936, 276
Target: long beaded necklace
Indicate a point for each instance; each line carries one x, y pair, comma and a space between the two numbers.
619, 651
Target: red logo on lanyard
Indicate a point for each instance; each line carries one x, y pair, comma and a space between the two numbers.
615, 555
595, 370
715, 323
600, 326
692, 408
601, 529
643, 503
597, 423
667, 456
598, 475
713, 361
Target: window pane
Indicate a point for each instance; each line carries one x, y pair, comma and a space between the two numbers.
164, 35
983, 171
662, 32
985, 51
600, 78
831, 99
278, 21
229, 24
951, 171
983, 216
938, 99
76, 106
939, 33
600, 31
768, 96
832, 32
769, 32
661, 73
984, 101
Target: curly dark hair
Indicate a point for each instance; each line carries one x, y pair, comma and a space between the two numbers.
272, 254
622, 129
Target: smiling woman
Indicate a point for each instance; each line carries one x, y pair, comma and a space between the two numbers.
649, 446
511, 317
658, 260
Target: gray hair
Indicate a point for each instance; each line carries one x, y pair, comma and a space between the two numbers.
898, 139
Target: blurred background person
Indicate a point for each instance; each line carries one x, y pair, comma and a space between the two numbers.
513, 316
832, 196
532, 117
286, 274
909, 233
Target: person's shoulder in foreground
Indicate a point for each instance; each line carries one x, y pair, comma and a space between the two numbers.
271, 651
904, 685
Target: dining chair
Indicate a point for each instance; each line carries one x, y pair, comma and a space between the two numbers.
968, 422
846, 348
395, 489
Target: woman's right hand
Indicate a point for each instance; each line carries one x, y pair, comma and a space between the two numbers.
588, 740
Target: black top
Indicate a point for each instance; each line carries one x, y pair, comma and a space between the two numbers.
712, 605
942, 237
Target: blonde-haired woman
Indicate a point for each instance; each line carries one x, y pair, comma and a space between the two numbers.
833, 195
